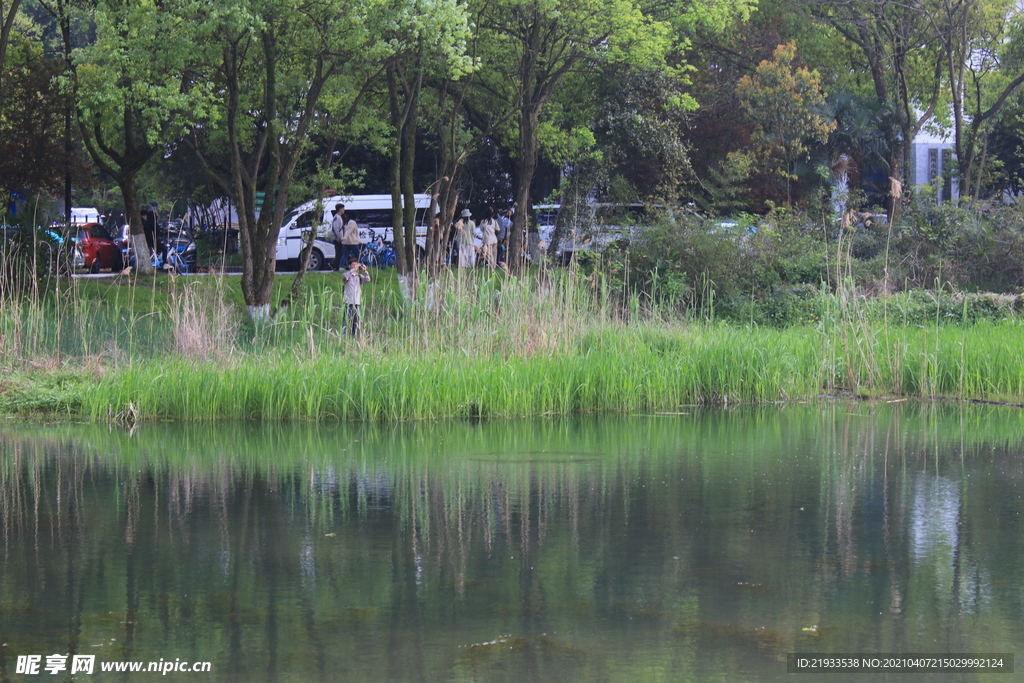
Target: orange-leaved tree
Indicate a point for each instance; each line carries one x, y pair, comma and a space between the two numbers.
787, 106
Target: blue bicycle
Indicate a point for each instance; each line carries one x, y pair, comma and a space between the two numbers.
179, 260
378, 254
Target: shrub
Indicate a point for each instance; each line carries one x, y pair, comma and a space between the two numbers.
734, 268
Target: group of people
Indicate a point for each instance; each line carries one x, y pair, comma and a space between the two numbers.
345, 231
494, 227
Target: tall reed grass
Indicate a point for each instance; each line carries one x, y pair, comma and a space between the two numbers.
478, 344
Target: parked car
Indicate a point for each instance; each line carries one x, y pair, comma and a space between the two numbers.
96, 250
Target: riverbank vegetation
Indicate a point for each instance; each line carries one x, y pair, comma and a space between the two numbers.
484, 343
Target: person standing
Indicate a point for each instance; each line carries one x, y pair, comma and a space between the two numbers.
489, 228
350, 239
505, 221
338, 233
354, 281
465, 235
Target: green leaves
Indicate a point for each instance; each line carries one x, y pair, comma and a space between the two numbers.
787, 105
141, 71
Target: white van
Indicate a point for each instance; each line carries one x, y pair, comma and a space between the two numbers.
372, 212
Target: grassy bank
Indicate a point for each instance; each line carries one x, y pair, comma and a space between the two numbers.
639, 368
473, 345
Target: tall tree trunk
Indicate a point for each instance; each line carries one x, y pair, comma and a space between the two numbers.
447, 200
65, 33
396, 206
404, 93
452, 156
307, 247
5, 36
254, 233
524, 169
133, 213
407, 180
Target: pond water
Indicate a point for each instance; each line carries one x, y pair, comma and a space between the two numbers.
686, 547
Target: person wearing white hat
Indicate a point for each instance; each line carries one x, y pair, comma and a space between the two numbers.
465, 233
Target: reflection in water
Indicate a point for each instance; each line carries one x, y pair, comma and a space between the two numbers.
934, 522
934, 519
670, 548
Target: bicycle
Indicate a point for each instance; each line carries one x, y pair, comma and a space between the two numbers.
176, 260
378, 254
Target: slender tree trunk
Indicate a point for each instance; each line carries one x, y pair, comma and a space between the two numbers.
65, 32
404, 91
396, 206
5, 36
979, 171
408, 187
307, 247
525, 167
447, 196
447, 200
399, 113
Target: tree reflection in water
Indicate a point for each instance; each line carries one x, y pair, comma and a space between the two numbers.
589, 549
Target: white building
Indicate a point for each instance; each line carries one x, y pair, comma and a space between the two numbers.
933, 163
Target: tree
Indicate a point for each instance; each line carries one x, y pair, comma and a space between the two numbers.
454, 141
640, 127
271, 61
8, 13
981, 40
135, 88
897, 43
430, 49
533, 45
787, 105
32, 151
274, 61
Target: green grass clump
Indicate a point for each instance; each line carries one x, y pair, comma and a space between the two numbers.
615, 369
604, 371
43, 392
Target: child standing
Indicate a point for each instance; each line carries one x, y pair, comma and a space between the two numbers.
354, 281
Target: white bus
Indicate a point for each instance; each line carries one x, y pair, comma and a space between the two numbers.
372, 212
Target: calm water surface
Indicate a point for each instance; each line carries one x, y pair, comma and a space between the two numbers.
691, 547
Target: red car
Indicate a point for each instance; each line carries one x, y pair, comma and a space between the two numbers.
97, 248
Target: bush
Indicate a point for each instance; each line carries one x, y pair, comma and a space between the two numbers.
923, 307
739, 269
771, 270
